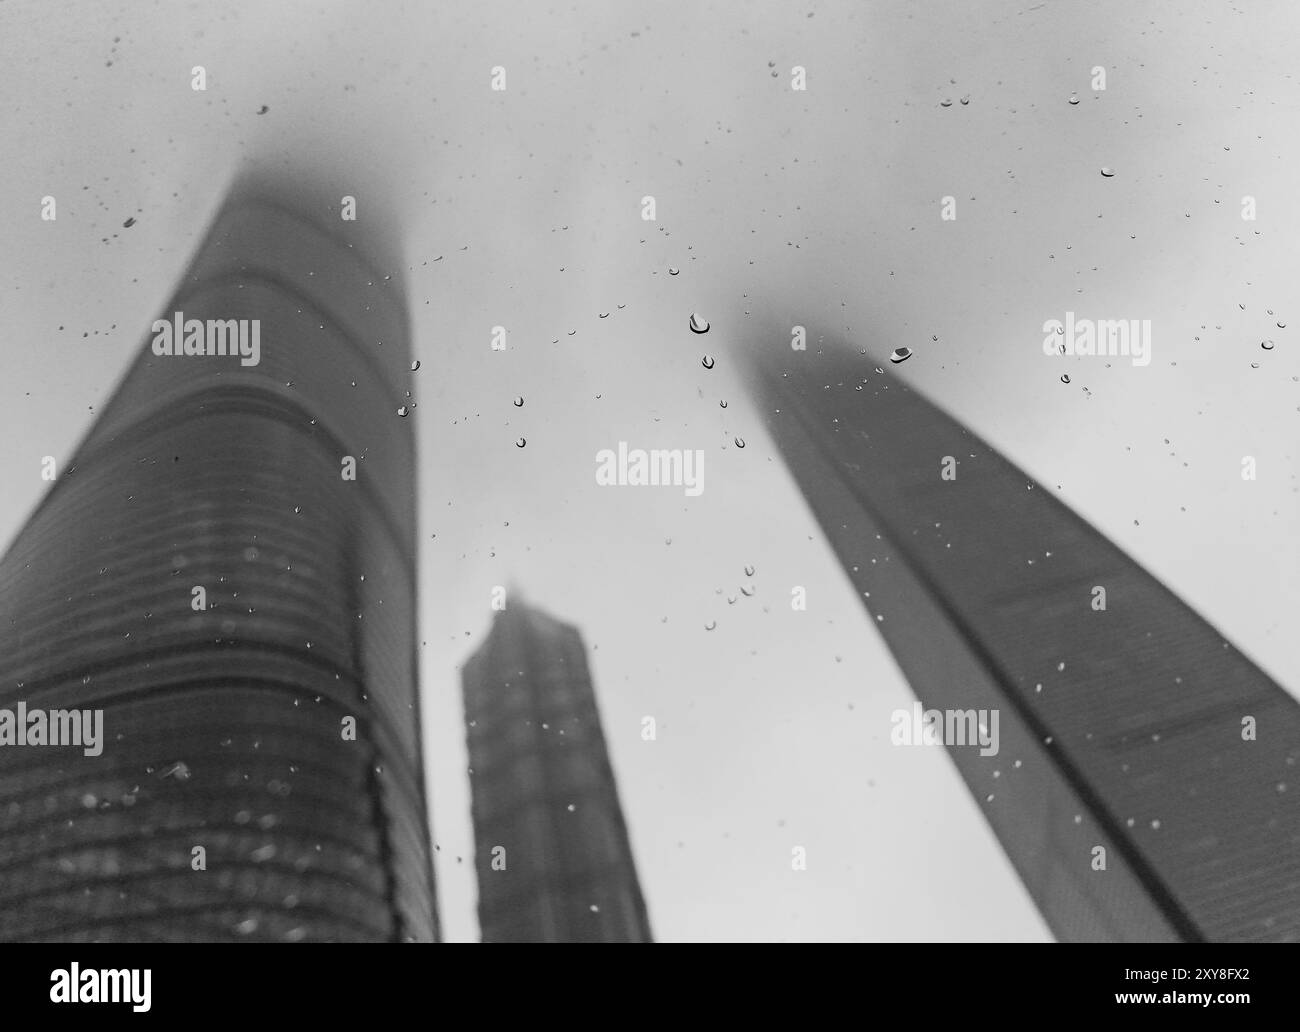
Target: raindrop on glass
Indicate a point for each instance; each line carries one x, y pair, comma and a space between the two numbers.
520, 443
946, 102
722, 404
519, 401
711, 625
900, 354
740, 442
402, 411
1074, 98
749, 571
1267, 345
707, 362
699, 324
673, 270
415, 365
1107, 171
1065, 378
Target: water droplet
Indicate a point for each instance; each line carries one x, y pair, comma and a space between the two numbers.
1074, 98
699, 324
415, 365
771, 64
946, 102
673, 270
1108, 172
1065, 378
604, 315
722, 404
521, 442
740, 442
1281, 326
707, 362
965, 100
519, 401
711, 625
402, 411
1267, 345
900, 354
749, 571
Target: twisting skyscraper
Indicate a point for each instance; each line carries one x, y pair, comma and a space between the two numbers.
225, 571
1140, 785
551, 849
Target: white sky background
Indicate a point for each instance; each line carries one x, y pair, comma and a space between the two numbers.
773, 728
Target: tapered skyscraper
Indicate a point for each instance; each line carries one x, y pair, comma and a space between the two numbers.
1144, 785
226, 570
551, 849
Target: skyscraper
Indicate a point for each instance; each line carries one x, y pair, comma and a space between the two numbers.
226, 569
1144, 785
551, 849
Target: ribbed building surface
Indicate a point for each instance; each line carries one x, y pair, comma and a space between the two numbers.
551, 849
1120, 728
224, 727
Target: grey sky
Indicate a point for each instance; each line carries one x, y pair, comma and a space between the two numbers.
774, 727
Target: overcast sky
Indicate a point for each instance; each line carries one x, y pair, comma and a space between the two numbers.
522, 208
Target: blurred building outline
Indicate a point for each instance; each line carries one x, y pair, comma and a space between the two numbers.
224, 724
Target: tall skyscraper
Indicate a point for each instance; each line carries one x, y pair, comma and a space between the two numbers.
226, 570
1145, 782
551, 849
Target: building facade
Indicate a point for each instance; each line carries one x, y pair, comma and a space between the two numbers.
1144, 786
552, 855
225, 571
